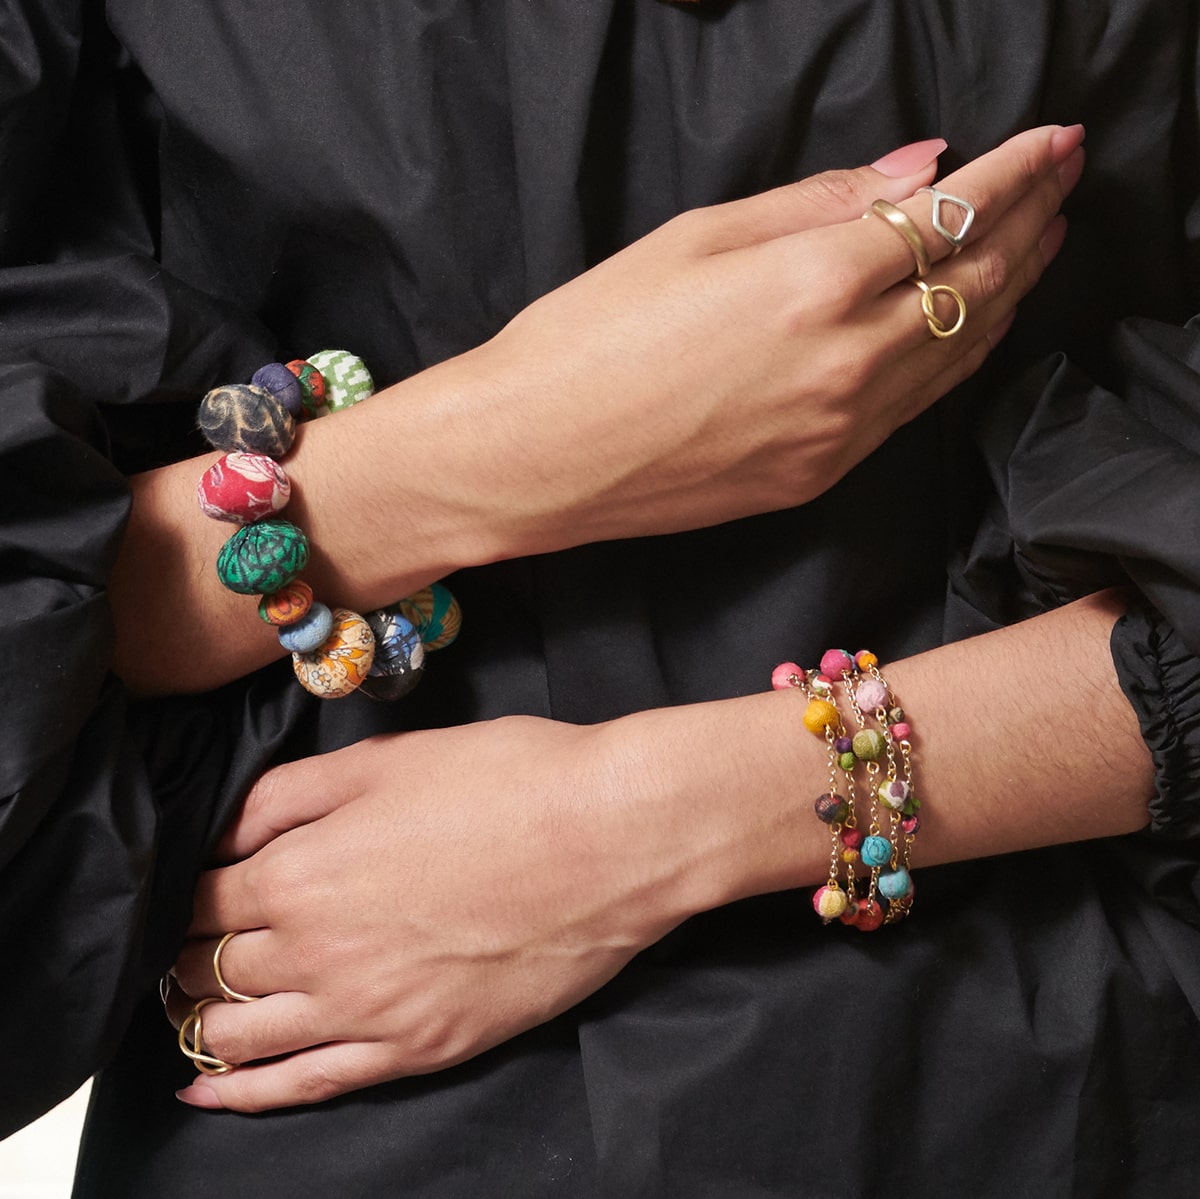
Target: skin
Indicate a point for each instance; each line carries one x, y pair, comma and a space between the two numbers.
769, 327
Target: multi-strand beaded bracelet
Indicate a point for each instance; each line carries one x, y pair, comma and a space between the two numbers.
334, 651
880, 748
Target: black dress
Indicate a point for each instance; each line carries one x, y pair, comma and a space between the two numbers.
192, 190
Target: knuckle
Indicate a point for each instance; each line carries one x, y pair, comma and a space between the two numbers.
993, 272
836, 190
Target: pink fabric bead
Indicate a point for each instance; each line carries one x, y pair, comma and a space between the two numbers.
901, 731
243, 488
871, 694
782, 675
835, 663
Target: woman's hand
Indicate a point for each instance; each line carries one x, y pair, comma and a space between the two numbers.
417, 898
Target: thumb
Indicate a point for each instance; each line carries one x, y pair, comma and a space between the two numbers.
825, 199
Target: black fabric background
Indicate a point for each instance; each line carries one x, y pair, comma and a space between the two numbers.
192, 190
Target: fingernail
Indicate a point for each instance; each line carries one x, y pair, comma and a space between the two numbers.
995, 334
1053, 238
198, 1096
908, 160
1070, 170
1065, 140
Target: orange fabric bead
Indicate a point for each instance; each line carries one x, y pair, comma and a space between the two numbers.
287, 605
820, 715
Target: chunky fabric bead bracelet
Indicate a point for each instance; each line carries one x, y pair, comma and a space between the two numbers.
877, 744
334, 651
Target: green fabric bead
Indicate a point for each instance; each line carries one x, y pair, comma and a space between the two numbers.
847, 761
869, 745
262, 557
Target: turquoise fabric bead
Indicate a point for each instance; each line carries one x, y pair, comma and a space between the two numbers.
876, 851
310, 632
262, 557
896, 884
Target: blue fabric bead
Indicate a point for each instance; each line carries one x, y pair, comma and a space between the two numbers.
876, 851
282, 384
896, 884
309, 632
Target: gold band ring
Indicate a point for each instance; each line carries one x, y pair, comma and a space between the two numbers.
937, 326
227, 992
191, 1041
902, 223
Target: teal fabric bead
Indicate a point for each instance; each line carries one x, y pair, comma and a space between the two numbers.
869, 745
262, 557
310, 632
896, 884
876, 851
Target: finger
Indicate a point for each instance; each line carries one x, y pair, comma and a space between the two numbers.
288, 796
825, 199
232, 897
270, 1027
308, 1077
244, 960
871, 256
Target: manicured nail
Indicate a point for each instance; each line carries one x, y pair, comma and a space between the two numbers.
1070, 169
198, 1096
1053, 238
1065, 140
908, 160
995, 334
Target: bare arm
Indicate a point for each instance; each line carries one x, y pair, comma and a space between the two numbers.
525, 862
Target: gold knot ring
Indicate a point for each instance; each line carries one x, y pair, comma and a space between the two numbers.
903, 224
227, 992
937, 326
191, 1041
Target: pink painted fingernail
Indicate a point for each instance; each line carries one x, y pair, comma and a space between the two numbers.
908, 160
198, 1096
1064, 140
1053, 238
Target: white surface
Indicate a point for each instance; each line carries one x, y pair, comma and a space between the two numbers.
39, 1161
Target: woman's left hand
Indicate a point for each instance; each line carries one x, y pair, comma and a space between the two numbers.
410, 901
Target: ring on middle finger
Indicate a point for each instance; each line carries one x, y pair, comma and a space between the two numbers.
903, 224
940, 200
227, 992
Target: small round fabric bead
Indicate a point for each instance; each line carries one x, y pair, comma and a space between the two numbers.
896, 884
347, 380
869, 916
340, 664
785, 676
399, 656
895, 715
436, 614
282, 384
262, 557
843, 745
911, 824
876, 851
869, 745
831, 808
286, 605
830, 902
309, 632
847, 761
820, 684
894, 793
901, 731
242, 487
871, 694
864, 659
851, 838
312, 387
850, 915
241, 416
819, 715
835, 663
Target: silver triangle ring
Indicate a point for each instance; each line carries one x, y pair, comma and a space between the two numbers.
939, 198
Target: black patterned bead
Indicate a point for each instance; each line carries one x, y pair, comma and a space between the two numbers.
241, 416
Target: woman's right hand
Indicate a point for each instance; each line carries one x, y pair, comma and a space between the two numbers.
743, 357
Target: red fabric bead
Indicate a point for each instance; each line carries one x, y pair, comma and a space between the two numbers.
243, 488
869, 918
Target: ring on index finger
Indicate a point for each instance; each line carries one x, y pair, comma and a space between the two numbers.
943, 199
227, 992
902, 223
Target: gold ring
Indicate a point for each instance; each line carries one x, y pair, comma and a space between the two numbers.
902, 223
937, 326
227, 992
193, 1028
